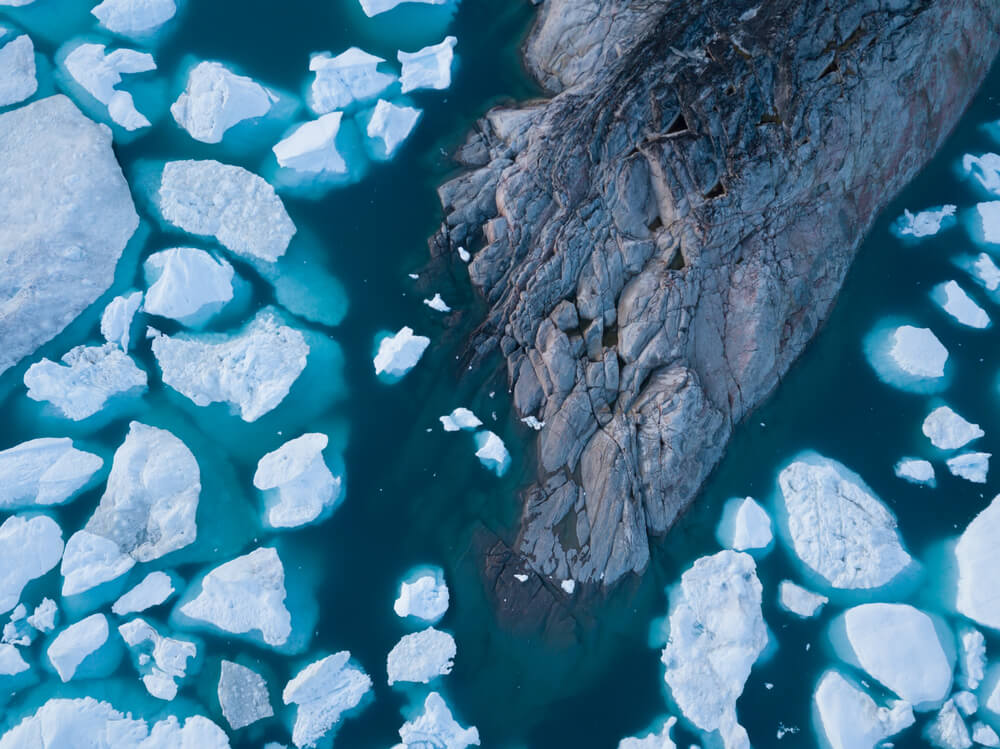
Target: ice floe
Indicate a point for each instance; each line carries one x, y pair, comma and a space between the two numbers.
99, 72
17, 631
949, 431
399, 353
29, 547
492, 452
533, 423
744, 525
244, 596
154, 589
73, 645
237, 207
340, 81
656, 740
134, 17
162, 661
948, 730
984, 735
429, 67
983, 269
297, 484
421, 656
44, 617
91, 560
11, 662
966, 702
954, 300
436, 727
217, 99
388, 126
970, 466
916, 471
374, 7
312, 147
424, 596
187, 284
243, 695
797, 600
987, 227
460, 418
17, 70
849, 719
717, 632
252, 370
978, 557
838, 527
971, 657
907, 357
924, 223
322, 692
45, 471
983, 169
437, 304
87, 379
116, 320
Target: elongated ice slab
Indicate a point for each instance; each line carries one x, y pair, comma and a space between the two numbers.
399, 353
17, 70
134, 17
797, 600
978, 555
421, 656
970, 466
29, 547
116, 320
460, 418
374, 7
391, 124
243, 695
949, 431
988, 224
187, 284
744, 525
916, 471
75, 643
217, 99
340, 81
161, 661
154, 589
322, 692
99, 72
312, 147
429, 67
298, 486
971, 657
925, 223
847, 718
436, 727
954, 300
983, 169
45, 471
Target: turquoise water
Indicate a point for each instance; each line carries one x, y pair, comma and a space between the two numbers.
416, 495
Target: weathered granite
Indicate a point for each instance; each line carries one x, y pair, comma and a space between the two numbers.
660, 239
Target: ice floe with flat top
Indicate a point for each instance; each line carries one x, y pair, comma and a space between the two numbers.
916, 471
243, 695
982, 268
460, 418
985, 170
436, 727
82, 650
848, 718
154, 589
236, 207
217, 99
29, 547
312, 147
187, 284
924, 223
744, 525
492, 452
11, 662
954, 300
352, 76
45, 471
322, 692
99, 73
423, 595
907, 357
134, 18
297, 484
657, 739
374, 7
797, 600
984, 735
387, 126
971, 466
984, 224
17, 631
91, 560
399, 353
252, 370
117, 318
971, 657
429, 67
948, 729
978, 556
837, 526
949, 431
18, 79
717, 632
421, 657
87, 378
161, 661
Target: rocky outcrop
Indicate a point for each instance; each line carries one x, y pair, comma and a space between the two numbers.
660, 239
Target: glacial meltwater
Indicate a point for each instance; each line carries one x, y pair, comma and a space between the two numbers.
302, 555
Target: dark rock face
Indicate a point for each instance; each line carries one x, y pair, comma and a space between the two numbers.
660, 239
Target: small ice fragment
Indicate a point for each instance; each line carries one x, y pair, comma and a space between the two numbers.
298, 486
312, 147
437, 303
342, 80
166, 660
116, 320
186, 283
243, 695
429, 67
797, 600
436, 727
744, 525
390, 125
460, 418
421, 657
847, 718
568, 586
984, 169
217, 99
17, 70
918, 352
463, 255
91, 560
978, 556
323, 691
948, 731
17, 631
984, 735
44, 471
924, 223
966, 702
949, 431
492, 452
99, 72
44, 617
134, 17
11, 662
520, 577
29, 547
971, 657
154, 589
916, 471
970, 466
425, 598
399, 353
71, 646
954, 300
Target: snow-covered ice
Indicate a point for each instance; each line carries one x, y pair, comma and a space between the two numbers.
244, 596
425, 597
252, 370
44, 471
954, 300
312, 147
849, 719
429, 67
217, 99
436, 727
437, 304
323, 691
717, 632
243, 695
116, 320
744, 525
568, 586
11, 662
966, 702
187, 284
399, 353
98, 72
87, 378
948, 730
988, 227
533, 423
984, 735
983, 169
29, 547
983, 269
918, 352
655, 740
91, 560
421, 656
154, 589
797, 600
297, 484
17, 70
44, 617
492, 452
970, 466
77, 641
949, 431
17, 631
162, 661
134, 17
916, 471
971, 657
978, 557
340, 81
838, 527
460, 418
237, 207
924, 223
374, 7
389, 125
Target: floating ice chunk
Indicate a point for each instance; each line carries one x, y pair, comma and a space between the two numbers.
11, 662
492, 452
436, 727
533, 423
235, 206
985, 271
949, 431
99, 72
216, 99
198, 732
116, 321
978, 556
245, 595
924, 223
134, 17
44, 617
429, 67
243, 695
324, 691
849, 719
437, 304
460, 418
389, 125
340, 81
399, 353
374, 7
899, 646
17, 70
312, 147
252, 370
149, 505
421, 657
971, 657
45, 471
88, 377
948, 731
989, 221
970, 466
17, 631
966, 702
426, 597
916, 471
953, 299
838, 527
717, 632
71, 646
984, 735
154, 589
657, 740
984, 169
918, 352
568, 586
91, 560
463, 255
187, 284
298, 486
521, 578
744, 525
29, 547
162, 661
797, 600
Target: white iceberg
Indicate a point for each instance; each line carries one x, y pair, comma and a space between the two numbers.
217, 99
970, 466
984, 735
421, 656
298, 486
17, 631
533, 423
11, 662
244, 596
436, 727
243, 695
984, 270
342, 80
91, 560
984, 169
924, 223
989, 221
154, 589
948, 731
44, 617
568, 586
187, 284
653, 740
72, 646
374, 7
162, 661
426, 597
116, 320
237, 207
966, 702
797, 600
429, 67
134, 17
323, 691
949, 431
99, 72
460, 418
849, 719
492, 452
17, 70
29, 547
838, 527
45, 471
978, 557
916, 471
198, 732
437, 304
312, 147
954, 300
918, 352
971, 657
88, 377
717, 632
389, 125
744, 525
399, 353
